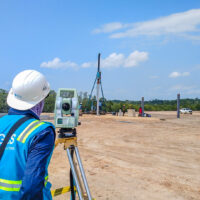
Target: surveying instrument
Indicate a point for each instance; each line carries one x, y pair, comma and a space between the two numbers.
66, 119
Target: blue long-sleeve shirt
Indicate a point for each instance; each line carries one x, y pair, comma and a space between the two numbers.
40, 148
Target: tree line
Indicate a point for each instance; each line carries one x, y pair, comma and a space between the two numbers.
111, 105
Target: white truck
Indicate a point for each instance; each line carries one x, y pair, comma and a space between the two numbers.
185, 111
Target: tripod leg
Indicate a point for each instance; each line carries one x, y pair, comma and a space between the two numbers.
72, 184
73, 193
78, 176
83, 173
74, 175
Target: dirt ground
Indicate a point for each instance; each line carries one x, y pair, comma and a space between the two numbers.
128, 158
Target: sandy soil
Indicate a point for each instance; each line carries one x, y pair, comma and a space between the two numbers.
136, 158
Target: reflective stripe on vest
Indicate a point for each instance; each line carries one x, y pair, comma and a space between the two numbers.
28, 130
9, 185
46, 180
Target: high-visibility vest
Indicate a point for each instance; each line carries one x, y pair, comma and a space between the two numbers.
13, 161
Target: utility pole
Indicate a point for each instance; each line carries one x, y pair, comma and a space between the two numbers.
178, 105
98, 82
142, 105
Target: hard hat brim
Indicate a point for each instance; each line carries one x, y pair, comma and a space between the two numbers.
18, 104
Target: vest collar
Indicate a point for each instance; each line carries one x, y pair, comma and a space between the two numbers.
13, 111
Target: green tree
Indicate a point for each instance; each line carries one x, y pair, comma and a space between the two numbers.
115, 107
3, 104
50, 102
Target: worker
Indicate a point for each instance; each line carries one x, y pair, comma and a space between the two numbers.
140, 112
124, 109
25, 157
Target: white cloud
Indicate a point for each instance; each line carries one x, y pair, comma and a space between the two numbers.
119, 60
135, 58
110, 27
191, 37
178, 74
174, 75
112, 61
57, 63
182, 24
86, 65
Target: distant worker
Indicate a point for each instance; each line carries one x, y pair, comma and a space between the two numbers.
80, 109
81, 106
100, 105
123, 110
26, 143
140, 112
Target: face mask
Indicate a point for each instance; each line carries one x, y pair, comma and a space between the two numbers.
37, 109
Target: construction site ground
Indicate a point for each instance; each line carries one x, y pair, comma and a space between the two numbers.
131, 158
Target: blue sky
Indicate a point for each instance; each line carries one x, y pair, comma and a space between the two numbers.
149, 48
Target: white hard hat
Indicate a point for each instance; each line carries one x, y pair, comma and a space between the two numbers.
29, 87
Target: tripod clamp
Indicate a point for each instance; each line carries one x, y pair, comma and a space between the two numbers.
67, 137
